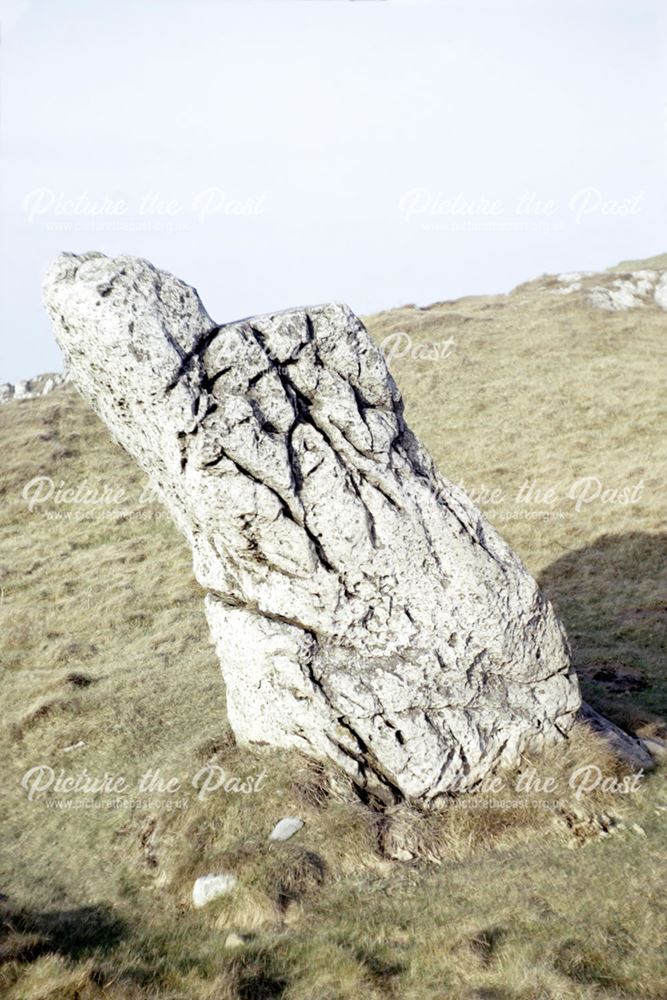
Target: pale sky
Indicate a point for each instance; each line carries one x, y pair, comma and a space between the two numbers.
286, 153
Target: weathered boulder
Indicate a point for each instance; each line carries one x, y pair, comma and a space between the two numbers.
362, 608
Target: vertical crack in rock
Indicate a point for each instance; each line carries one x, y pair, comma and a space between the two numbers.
362, 608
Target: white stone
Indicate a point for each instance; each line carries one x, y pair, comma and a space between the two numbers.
363, 609
210, 887
286, 828
644, 281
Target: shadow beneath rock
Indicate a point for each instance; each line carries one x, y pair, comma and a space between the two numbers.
612, 599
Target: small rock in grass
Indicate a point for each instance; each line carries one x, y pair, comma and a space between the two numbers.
286, 828
209, 887
234, 940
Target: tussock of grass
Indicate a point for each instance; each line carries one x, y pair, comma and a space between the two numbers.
107, 666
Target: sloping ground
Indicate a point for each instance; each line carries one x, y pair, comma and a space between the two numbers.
551, 411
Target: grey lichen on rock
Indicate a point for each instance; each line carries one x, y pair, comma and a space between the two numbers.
363, 610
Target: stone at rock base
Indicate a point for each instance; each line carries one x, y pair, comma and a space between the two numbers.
629, 748
656, 747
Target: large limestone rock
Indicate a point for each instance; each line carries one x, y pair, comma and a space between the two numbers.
362, 608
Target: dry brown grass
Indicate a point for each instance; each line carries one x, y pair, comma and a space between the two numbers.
107, 665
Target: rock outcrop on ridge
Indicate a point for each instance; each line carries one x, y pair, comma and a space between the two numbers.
363, 610
33, 388
617, 291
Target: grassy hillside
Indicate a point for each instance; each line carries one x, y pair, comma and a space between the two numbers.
552, 414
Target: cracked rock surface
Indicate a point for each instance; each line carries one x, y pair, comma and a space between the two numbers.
363, 610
